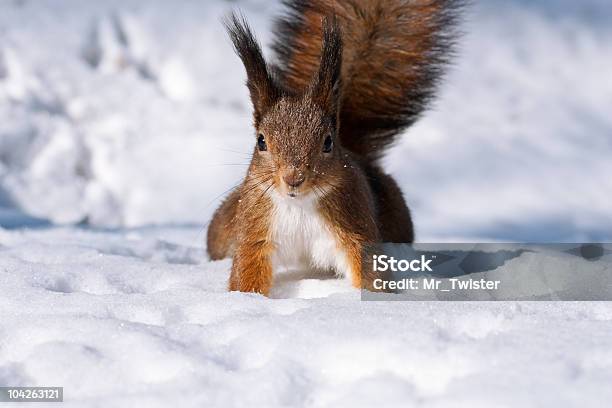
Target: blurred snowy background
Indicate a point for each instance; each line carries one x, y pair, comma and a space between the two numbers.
121, 124
132, 113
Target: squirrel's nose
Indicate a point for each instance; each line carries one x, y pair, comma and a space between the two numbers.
294, 178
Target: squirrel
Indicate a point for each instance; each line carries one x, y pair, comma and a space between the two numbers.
350, 76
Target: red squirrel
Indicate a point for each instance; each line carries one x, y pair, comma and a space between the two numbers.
350, 76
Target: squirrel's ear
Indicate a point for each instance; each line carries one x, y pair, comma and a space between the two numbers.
262, 87
326, 84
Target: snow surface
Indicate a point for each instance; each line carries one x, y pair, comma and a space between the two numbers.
126, 114
133, 318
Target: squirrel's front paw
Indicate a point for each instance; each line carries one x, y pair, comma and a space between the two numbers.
250, 285
251, 274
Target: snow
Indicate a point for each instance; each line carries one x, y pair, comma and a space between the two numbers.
123, 122
133, 318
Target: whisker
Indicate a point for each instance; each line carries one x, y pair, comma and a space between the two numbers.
249, 154
227, 164
253, 187
256, 175
266, 190
225, 192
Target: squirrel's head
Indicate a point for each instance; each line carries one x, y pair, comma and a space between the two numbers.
295, 132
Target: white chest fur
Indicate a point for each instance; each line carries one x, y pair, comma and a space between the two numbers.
302, 238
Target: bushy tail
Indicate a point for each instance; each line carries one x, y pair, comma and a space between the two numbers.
394, 55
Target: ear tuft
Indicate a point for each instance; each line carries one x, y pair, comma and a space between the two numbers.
262, 86
326, 84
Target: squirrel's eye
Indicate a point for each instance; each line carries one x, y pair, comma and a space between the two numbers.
261, 143
328, 144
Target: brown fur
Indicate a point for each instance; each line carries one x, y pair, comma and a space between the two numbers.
252, 270
321, 125
394, 55
221, 231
